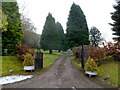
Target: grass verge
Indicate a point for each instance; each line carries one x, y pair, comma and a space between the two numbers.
13, 63
77, 63
110, 70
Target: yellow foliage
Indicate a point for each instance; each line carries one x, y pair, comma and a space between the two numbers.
28, 60
91, 65
3, 21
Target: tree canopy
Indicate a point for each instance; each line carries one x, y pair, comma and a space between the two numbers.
31, 38
95, 36
49, 38
14, 33
77, 30
116, 24
62, 38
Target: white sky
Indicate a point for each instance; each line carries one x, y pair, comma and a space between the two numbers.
97, 13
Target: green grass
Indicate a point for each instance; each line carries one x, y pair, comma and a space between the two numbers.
12, 63
49, 59
110, 69
77, 63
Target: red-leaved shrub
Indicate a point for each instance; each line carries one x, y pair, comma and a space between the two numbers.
99, 54
110, 49
21, 50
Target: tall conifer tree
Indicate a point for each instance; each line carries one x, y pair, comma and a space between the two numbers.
62, 43
77, 30
49, 38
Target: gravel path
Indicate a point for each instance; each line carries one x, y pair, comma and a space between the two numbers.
62, 74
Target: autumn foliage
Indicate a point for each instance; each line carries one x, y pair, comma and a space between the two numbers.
110, 49
107, 50
22, 50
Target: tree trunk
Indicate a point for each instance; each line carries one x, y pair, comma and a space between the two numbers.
50, 51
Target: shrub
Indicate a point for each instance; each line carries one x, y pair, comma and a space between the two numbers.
113, 49
28, 60
21, 50
110, 49
97, 53
91, 65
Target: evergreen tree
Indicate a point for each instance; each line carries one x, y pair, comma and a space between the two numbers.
116, 24
95, 36
61, 36
14, 33
77, 30
49, 38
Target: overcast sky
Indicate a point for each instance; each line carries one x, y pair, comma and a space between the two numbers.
97, 13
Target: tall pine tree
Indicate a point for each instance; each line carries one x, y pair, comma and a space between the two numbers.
14, 33
77, 30
49, 38
116, 24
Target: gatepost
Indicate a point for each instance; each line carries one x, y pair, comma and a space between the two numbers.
38, 59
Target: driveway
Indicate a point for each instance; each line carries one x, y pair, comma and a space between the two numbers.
62, 74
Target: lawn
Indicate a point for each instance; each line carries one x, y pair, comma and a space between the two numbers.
13, 63
10, 63
49, 59
110, 70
